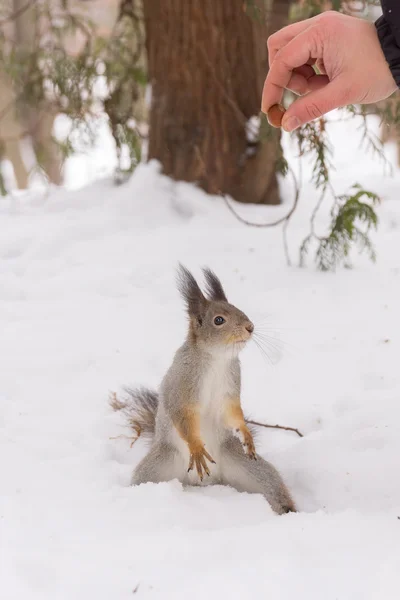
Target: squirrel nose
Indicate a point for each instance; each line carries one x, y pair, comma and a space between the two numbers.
249, 327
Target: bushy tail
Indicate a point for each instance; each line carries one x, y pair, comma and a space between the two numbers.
140, 408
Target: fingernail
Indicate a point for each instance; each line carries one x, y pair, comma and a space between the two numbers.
290, 124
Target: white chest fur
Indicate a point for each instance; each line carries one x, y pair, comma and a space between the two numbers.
215, 388
215, 384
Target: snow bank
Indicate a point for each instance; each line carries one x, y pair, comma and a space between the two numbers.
88, 303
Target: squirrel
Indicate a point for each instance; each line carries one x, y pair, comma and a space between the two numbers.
195, 422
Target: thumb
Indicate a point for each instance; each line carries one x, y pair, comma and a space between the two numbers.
316, 104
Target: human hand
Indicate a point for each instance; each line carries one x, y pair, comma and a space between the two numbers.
348, 55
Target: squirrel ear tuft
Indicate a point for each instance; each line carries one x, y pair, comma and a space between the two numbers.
214, 289
189, 289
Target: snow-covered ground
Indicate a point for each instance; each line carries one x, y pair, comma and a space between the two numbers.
88, 303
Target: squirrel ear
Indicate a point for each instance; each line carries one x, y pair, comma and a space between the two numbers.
214, 289
196, 303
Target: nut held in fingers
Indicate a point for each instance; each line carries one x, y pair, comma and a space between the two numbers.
275, 115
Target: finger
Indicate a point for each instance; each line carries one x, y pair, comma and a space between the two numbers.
305, 70
300, 80
282, 37
253, 452
316, 104
191, 461
298, 84
199, 469
208, 457
317, 82
301, 86
204, 465
294, 55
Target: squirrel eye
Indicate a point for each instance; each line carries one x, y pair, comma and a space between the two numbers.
219, 320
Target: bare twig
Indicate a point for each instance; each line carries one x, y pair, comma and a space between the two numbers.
17, 13
283, 219
275, 427
285, 243
126, 437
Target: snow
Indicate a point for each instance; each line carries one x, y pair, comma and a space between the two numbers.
88, 304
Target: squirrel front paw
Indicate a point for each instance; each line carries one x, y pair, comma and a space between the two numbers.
247, 442
198, 456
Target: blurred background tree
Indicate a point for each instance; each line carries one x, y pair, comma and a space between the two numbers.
207, 65
81, 59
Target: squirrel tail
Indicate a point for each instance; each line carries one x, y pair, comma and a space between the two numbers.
139, 406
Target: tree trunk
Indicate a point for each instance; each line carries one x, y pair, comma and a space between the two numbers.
37, 123
11, 131
277, 14
207, 63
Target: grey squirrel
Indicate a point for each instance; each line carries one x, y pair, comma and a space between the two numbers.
195, 422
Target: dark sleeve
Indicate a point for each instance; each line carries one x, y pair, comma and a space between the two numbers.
388, 28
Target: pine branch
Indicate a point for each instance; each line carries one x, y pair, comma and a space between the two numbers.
348, 214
